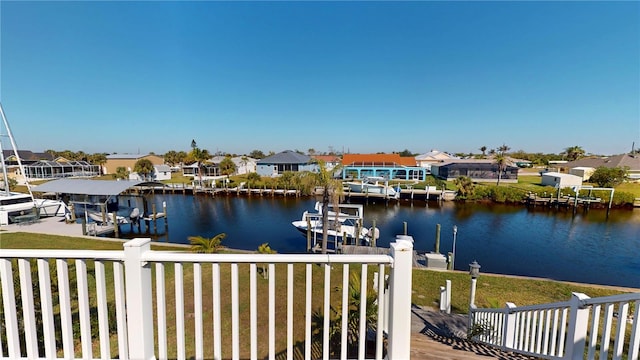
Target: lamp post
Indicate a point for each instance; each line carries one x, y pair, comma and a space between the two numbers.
453, 255
474, 271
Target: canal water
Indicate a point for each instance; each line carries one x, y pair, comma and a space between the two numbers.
588, 247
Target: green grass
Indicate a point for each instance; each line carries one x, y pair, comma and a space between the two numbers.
496, 290
632, 188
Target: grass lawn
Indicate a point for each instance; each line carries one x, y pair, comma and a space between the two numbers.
632, 188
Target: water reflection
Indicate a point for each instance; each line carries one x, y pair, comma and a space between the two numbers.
586, 246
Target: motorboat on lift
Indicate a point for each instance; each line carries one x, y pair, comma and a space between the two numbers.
346, 221
373, 185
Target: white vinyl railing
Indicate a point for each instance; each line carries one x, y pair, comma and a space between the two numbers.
117, 304
574, 330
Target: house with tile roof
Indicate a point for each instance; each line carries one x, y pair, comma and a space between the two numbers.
433, 157
632, 162
389, 166
288, 160
330, 161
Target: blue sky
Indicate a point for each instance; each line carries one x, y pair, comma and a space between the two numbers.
129, 77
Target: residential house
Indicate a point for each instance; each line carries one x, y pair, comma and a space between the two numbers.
160, 172
26, 158
128, 161
433, 157
288, 160
330, 161
207, 168
479, 170
60, 168
389, 166
632, 162
244, 164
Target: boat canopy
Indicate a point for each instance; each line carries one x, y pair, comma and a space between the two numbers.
88, 187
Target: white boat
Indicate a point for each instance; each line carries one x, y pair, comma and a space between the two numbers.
373, 185
49, 207
107, 219
347, 221
14, 203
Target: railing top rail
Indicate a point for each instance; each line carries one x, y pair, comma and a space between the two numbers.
166, 256
549, 306
613, 298
187, 257
489, 310
113, 255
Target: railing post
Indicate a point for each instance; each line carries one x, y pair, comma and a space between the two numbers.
400, 298
139, 300
577, 330
509, 327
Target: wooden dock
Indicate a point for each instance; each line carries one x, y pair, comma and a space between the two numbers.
565, 201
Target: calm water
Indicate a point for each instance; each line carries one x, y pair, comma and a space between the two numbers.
586, 247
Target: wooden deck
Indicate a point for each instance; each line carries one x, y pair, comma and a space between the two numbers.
445, 348
439, 336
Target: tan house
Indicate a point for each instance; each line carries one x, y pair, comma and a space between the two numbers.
433, 157
128, 161
629, 161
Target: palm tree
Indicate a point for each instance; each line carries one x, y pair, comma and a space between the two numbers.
265, 249
483, 149
501, 161
244, 161
144, 168
503, 149
332, 190
227, 166
573, 153
465, 186
200, 156
203, 245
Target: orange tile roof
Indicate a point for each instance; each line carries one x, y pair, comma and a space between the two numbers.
326, 158
364, 159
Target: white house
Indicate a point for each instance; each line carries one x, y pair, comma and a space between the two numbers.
160, 172
244, 164
559, 180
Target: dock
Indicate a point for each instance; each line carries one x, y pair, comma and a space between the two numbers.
405, 194
418, 260
564, 201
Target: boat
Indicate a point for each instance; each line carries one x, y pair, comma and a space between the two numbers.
373, 185
49, 207
347, 222
107, 219
14, 203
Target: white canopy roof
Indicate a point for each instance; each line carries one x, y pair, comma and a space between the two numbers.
88, 187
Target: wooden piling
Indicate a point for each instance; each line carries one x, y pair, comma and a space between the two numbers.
308, 234
116, 226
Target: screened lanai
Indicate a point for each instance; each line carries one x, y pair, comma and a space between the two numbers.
45, 169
